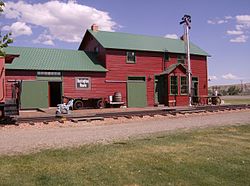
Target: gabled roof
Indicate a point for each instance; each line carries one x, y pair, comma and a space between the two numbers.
117, 40
172, 67
52, 59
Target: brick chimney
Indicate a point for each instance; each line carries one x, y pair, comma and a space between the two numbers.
94, 27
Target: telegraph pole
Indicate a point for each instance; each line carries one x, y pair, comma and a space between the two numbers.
186, 21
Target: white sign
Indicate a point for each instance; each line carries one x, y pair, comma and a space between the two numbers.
83, 83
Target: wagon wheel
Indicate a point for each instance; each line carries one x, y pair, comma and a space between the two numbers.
218, 101
209, 101
99, 104
78, 104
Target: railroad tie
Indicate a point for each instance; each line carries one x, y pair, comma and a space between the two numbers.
89, 119
128, 117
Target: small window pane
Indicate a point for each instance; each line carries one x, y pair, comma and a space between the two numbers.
173, 85
166, 56
96, 50
184, 85
131, 57
181, 59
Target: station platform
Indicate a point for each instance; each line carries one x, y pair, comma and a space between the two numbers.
87, 112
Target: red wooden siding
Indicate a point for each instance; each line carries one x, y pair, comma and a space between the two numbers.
147, 64
17, 75
98, 85
199, 69
89, 44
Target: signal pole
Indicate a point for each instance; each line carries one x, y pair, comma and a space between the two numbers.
186, 21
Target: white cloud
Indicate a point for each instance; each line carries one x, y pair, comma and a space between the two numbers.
228, 17
229, 76
65, 21
45, 39
242, 27
234, 32
243, 20
172, 36
239, 27
239, 39
18, 29
210, 22
213, 78
217, 21
221, 21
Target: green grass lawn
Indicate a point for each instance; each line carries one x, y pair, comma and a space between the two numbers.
215, 156
237, 101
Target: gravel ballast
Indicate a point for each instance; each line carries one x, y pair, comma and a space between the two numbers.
26, 138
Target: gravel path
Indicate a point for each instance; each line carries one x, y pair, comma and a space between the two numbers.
15, 140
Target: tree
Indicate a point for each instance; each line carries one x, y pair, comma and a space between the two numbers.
5, 40
233, 90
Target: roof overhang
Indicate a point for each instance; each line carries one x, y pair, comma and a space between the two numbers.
172, 68
10, 57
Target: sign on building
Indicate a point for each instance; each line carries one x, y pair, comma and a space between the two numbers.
83, 83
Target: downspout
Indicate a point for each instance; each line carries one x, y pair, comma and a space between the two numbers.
2, 71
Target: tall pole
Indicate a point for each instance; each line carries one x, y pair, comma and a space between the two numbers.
186, 21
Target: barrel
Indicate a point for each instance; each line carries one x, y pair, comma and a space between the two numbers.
117, 97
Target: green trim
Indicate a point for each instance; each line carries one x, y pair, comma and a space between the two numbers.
133, 78
48, 78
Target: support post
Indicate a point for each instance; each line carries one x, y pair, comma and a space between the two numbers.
186, 21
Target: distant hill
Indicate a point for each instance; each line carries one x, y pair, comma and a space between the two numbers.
235, 89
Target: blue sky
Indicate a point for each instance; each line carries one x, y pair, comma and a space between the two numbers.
222, 28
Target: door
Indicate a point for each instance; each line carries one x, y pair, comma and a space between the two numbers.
55, 93
34, 94
159, 89
195, 86
136, 92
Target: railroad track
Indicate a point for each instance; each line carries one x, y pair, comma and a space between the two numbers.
131, 114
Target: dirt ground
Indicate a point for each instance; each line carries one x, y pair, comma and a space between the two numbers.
28, 138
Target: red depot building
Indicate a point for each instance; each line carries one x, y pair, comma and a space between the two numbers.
145, 70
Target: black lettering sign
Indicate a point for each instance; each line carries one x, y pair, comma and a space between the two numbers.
83, 83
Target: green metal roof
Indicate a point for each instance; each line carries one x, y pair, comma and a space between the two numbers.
52, 59
116, 40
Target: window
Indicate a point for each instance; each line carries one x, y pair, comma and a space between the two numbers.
96, 49
173, 85
48, 73
184, 85
181, 59
166, 56
130, 57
